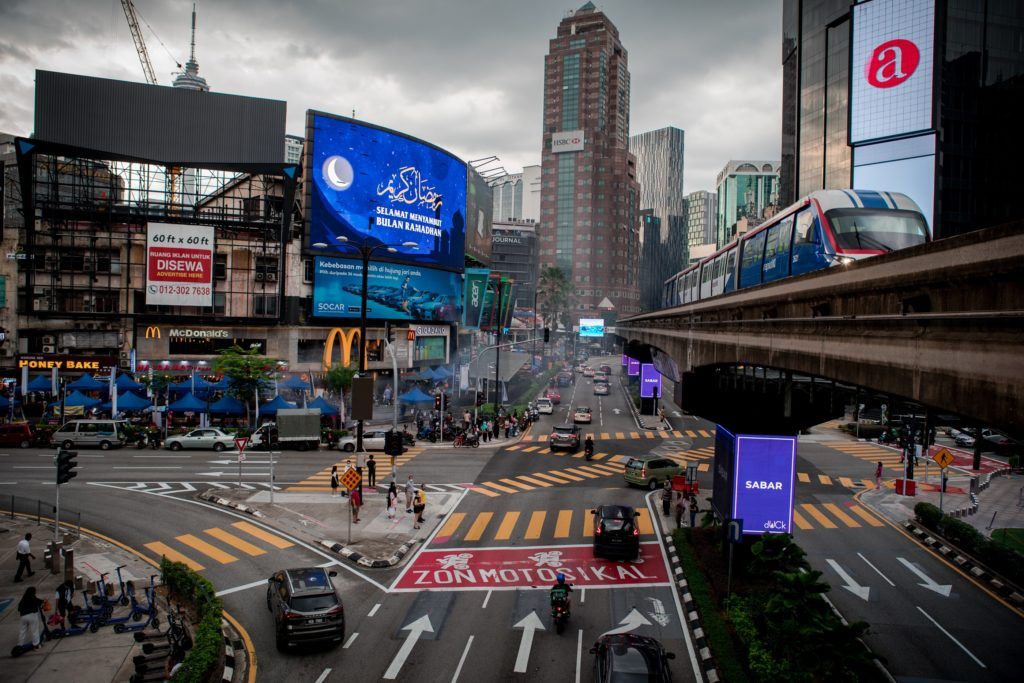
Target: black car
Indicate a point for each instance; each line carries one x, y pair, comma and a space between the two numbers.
615, 532
306, 607
565, 436
629, 657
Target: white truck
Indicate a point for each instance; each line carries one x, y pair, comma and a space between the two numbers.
297, 428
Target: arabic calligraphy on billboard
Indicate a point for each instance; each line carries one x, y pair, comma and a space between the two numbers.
375, 186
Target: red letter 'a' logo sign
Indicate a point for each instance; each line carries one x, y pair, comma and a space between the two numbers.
892, 62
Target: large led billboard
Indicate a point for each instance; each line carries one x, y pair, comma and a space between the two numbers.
591, 327
374, 186
479, 217
393, 291
891, 73
763, 477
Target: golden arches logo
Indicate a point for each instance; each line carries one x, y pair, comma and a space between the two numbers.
153, 332
346, 337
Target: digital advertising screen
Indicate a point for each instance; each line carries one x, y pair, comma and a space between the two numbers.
393, 291
479, 217
650, 381
763, 483
632, 367
374, 186
476, 290
591, 327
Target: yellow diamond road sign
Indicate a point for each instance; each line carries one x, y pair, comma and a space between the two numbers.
944, 458
350, 479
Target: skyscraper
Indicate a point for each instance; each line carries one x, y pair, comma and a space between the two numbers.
745, 190
517, 195
589, 194
701, 217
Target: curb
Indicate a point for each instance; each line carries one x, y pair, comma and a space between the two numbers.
231, 647
692, 616
637, 417
966, 563
207, 496
364, 561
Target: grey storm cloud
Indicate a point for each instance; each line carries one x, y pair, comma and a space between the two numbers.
466, 75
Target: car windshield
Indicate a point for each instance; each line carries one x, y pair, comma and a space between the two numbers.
635, 465
630, 664
877, 229
313, 603
565, 431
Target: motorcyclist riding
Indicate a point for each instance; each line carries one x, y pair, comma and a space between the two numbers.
560, 592
588, 447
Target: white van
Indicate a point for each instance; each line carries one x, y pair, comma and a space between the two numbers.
103, 433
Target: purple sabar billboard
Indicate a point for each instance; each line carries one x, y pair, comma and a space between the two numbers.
650, 381
762, 483
632, 366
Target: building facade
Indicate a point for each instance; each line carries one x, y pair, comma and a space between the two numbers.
701, 220
650, 260
659, 170
293, 149
746, 190
589, 192
939, 132
514, 248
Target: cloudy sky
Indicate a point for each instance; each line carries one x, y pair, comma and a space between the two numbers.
465, 74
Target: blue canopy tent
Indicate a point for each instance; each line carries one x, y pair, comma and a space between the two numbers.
416, 395
442, 372
128, 402
189, 404
76, 398
223, 384
294, 383
271, 407
87, 383
5, 403
228, 405
200, 386
126, 383
325, 407
40, 383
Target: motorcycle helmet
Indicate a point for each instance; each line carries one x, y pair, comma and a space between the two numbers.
561, 577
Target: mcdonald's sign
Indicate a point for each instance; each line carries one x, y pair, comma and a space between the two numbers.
153, 332
346, 338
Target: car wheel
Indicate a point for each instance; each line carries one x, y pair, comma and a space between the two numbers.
349, 447
653, 483
25, 443
303, 446
218, 447
269, 607
68, 444
104, 445
175, 446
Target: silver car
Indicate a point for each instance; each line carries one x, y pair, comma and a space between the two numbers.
205, 438
373, 440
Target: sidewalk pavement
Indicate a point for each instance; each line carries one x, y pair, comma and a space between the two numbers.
99, 657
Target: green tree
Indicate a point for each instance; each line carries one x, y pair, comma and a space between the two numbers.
248, 370
554, 296
777, 552
338, 379
157, 382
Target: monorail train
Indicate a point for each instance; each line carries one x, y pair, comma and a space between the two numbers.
826, 228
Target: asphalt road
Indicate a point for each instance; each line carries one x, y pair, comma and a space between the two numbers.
478, 623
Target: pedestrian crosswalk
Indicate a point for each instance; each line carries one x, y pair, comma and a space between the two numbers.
554, 477
219, 544
525, 525
622, 436
321, 481
868, 452
813, 516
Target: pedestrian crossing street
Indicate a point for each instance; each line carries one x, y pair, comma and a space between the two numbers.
869, 452
222, 545
321, 481
622, 436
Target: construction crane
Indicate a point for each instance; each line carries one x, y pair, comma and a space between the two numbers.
140, 44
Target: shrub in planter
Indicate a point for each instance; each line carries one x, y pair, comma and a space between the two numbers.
928, 515
962, 534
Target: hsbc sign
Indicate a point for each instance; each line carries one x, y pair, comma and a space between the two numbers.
567, 141
892, 71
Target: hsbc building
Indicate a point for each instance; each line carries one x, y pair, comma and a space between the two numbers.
913, 96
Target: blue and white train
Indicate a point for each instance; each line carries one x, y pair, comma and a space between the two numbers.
826, 228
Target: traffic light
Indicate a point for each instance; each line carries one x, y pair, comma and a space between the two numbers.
437, 402
547, 335
66, 465
392, 443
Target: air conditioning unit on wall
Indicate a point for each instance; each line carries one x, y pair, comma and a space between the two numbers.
49, 339
49, 348
272, 277
260, 276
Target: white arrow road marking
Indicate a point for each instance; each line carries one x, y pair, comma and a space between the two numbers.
929, 583
530, 623
415, 629
659, 614
632, 621
234, 461
676, 413
616, 411
861, 592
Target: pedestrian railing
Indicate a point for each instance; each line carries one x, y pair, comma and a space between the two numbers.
43, 512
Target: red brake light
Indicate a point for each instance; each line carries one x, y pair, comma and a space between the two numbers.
636, 531
290, 614
597, 530
643, 471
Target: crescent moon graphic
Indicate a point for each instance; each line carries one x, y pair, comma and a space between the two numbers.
338, 173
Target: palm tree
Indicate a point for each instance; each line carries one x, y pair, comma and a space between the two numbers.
554, 295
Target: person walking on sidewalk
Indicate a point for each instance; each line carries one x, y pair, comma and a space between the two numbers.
31, 624
666, 498
356, 499
392, 500
334, 481
878, 475
24, 552
680, 510
693, 511
418, 507
410, 492
371, 471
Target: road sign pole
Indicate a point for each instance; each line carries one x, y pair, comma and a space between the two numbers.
942, 485
728, 580
271, 475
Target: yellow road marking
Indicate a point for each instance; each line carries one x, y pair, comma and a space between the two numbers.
581, 472
499, 487
676, 433
604, 435
801, 522
644, 523
479, 525
868, 484
535, 482
236, 542
842, 516
610, 469
803, 477
536, 525
846, 481
205, 548
620, 436
634, 435
820, 518
549, 477
865, 515
562, 473
650, 435
513, 482
272, 539
173, 555
599, 471
824, 479
531, 449
692, 434
704, 467
508, 524
563, 523
588, 524
703, 433
452, 524
489, 494
600, 456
